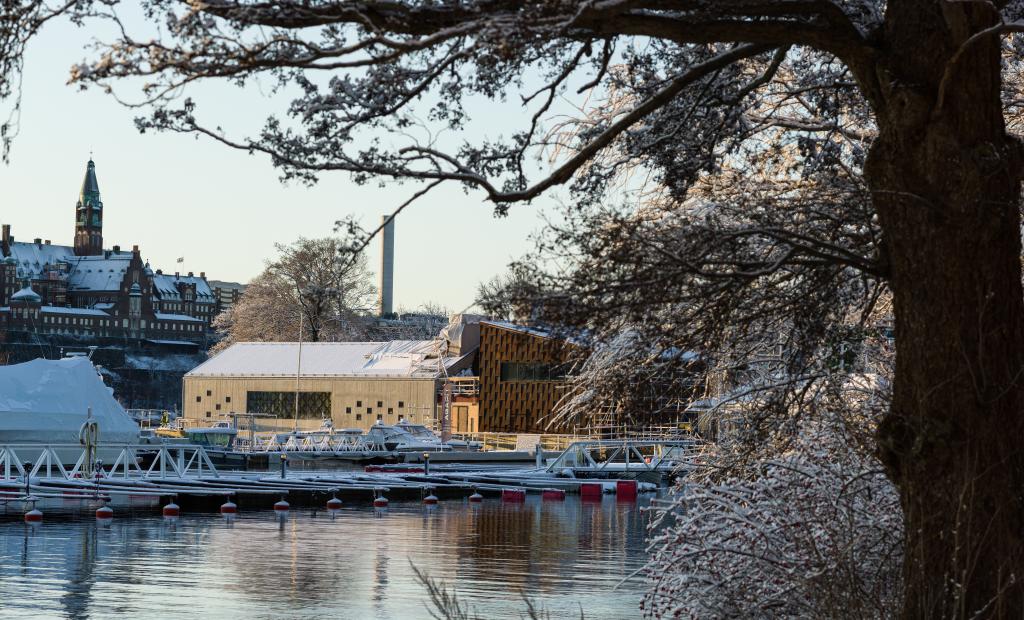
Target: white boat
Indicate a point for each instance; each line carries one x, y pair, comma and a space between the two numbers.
424, 434
405, 437
52, 402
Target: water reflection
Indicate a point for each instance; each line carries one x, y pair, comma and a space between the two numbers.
354, 563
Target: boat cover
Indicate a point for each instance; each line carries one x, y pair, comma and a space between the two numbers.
46, 401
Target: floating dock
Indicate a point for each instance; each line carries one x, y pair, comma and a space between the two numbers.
181, 478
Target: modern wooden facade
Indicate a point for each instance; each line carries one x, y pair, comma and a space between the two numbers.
520, 379
355, 402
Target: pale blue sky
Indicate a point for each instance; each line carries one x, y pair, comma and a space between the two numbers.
223, 210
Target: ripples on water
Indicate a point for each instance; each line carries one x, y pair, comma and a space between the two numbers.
564, 555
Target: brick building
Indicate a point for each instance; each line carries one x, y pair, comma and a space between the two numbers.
86, 291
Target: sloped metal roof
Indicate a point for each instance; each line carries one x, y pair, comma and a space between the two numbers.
400, 358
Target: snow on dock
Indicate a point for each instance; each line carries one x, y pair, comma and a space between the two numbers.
146, 477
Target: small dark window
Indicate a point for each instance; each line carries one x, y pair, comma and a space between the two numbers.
359, 403
227, 399
390, 411
401, 404
348, 409
379, 417
218, 406
207, 414
380, 403
369, 410
401, 417
199, 399
359, 416
209, 393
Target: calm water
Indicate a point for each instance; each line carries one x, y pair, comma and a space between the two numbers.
564, 555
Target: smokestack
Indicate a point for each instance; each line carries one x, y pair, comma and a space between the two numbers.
6, 239
387, 265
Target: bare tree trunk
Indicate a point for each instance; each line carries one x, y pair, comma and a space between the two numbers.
945, 179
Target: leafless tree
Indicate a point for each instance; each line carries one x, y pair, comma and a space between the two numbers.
895, 117
309, 280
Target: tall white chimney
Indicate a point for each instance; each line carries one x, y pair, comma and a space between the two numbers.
387, 265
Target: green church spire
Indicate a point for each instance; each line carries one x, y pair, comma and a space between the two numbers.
89, 215
90, 194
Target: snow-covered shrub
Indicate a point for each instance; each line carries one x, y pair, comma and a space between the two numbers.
814, 531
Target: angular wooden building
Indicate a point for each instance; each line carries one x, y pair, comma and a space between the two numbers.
522, 372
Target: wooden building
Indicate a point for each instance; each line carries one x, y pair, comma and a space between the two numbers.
352, 384
522, 372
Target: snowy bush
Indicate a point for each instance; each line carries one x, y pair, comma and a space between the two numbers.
813, 532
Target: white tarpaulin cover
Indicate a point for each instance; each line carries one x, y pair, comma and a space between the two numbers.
46, 401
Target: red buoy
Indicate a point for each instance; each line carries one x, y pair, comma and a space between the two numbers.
171, 510
282, 506
33, 516
513, 495
476, 497
553, 494
380, 502
104, 513
626, 490
430, 499
228, 508
334, 504
591, 490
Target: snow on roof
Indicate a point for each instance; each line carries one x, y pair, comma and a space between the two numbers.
165, 286
533, 331
176, 317
75, 311
399, 358
98, 273
32, 258
26, 294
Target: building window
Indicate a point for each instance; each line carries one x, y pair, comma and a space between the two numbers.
369, 410
218, 406
380, 404
208, 414
401, 404
359, 416
314, 405
227, 399
401, 417
209, 393
348, 409
392, 411
359, 403
530, 371
199, 399
379, 417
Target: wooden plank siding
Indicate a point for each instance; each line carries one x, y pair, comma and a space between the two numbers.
354, 400
517, 406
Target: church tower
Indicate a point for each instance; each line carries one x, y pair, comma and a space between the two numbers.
89, 216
